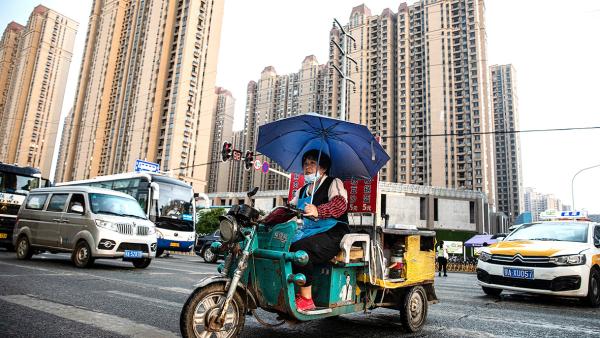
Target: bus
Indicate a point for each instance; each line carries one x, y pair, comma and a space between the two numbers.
168, 202
15, 184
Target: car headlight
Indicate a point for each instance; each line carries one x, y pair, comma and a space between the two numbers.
151, 230
158, 233
484, 256
568, 260
228, 228
106, 225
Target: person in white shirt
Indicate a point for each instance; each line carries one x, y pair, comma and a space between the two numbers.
442, 257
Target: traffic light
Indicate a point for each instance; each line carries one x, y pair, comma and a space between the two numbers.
226, 151
248, 159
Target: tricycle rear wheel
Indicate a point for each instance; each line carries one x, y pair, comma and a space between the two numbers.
202, 303
414, 309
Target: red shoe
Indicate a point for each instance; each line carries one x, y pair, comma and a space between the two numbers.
304, 304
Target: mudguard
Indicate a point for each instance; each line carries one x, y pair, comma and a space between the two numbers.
246, 293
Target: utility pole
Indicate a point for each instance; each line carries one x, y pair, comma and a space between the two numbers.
343, 48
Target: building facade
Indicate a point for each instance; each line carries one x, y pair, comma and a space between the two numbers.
146, 89
35, 62
219, 174
419, 81
509, 181
536, 202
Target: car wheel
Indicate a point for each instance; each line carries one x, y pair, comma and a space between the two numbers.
24, 250
491, 291
159, 252
593, 296
141, 263
82, 255
208, 255
413, 312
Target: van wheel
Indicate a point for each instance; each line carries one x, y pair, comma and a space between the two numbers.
593, 296
82, 255
141, 263
491, 291
413, 312
24, 250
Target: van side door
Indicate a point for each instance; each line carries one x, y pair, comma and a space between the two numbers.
48, 231
74, 222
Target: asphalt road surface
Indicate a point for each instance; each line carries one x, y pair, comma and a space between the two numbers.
49, 297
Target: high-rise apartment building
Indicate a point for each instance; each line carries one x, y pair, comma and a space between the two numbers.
275, 97
535, 203
34, 63
421, 84
219, 174
509, 191
62, 147
146, 88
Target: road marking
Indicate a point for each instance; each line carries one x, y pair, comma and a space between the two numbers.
25, 266
178, 270
147, 299
100, 320
40, 274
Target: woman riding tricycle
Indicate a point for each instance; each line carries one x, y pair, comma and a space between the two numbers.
304, 261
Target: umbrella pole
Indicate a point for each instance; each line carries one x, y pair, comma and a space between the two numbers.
318, 160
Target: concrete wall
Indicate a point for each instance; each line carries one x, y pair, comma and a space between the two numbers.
453, 214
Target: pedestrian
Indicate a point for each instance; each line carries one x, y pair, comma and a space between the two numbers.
442, 257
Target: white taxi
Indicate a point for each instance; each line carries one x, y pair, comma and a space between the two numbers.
559, 257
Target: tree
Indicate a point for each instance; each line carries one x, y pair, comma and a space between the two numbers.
208, 221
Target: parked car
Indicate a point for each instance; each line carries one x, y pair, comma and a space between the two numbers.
87, 222
202, 247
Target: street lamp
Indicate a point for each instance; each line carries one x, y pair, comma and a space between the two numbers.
572, 181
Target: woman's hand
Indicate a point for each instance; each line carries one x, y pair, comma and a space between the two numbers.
311, 210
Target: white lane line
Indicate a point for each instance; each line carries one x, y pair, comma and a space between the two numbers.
39, 274
146, 299
179, 270
455, 331
160, 273
99, 320
25, 266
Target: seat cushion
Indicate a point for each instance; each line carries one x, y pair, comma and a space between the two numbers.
356, 254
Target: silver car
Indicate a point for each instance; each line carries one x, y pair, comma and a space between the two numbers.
88, 222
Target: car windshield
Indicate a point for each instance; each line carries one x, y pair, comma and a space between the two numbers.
116, 205
17, 184
551, 231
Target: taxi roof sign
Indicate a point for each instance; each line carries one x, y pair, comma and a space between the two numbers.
554, 214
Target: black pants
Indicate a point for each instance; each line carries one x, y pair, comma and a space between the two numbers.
442, 263
321, 248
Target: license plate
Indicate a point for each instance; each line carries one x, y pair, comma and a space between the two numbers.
518, 273
175, 245
3, 235
133, 254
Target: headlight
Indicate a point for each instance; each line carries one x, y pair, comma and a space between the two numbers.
106, 225
158, 233
151, 230
568, 260
228, 228
484, 256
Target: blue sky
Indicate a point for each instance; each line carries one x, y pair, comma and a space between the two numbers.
552, 44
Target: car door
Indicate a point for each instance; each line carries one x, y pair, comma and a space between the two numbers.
34, 217
48, 231
73, 222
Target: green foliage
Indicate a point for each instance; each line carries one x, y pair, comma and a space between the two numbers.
208, 221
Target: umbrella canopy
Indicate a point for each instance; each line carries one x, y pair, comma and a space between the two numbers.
480, 240
353, 150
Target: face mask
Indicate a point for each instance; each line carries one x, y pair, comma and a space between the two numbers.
311, 178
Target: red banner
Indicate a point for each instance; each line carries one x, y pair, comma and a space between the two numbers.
362, 194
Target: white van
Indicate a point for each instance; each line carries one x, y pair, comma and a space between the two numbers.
88, 222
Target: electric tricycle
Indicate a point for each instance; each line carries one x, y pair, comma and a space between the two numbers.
376, 267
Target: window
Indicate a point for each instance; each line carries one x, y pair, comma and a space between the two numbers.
471, 212
423, 208
597, 235
36, 202
435, 209
57, 202
76, 199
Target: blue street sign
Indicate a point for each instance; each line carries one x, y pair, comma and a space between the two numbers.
141, 165
265, 167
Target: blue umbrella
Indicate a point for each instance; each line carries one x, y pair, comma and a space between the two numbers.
353, 150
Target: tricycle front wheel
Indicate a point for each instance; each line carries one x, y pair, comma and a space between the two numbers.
199, 313
413, 312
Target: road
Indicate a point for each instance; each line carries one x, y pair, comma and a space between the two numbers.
49, 297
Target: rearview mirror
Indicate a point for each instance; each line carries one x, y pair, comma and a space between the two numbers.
252, 192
